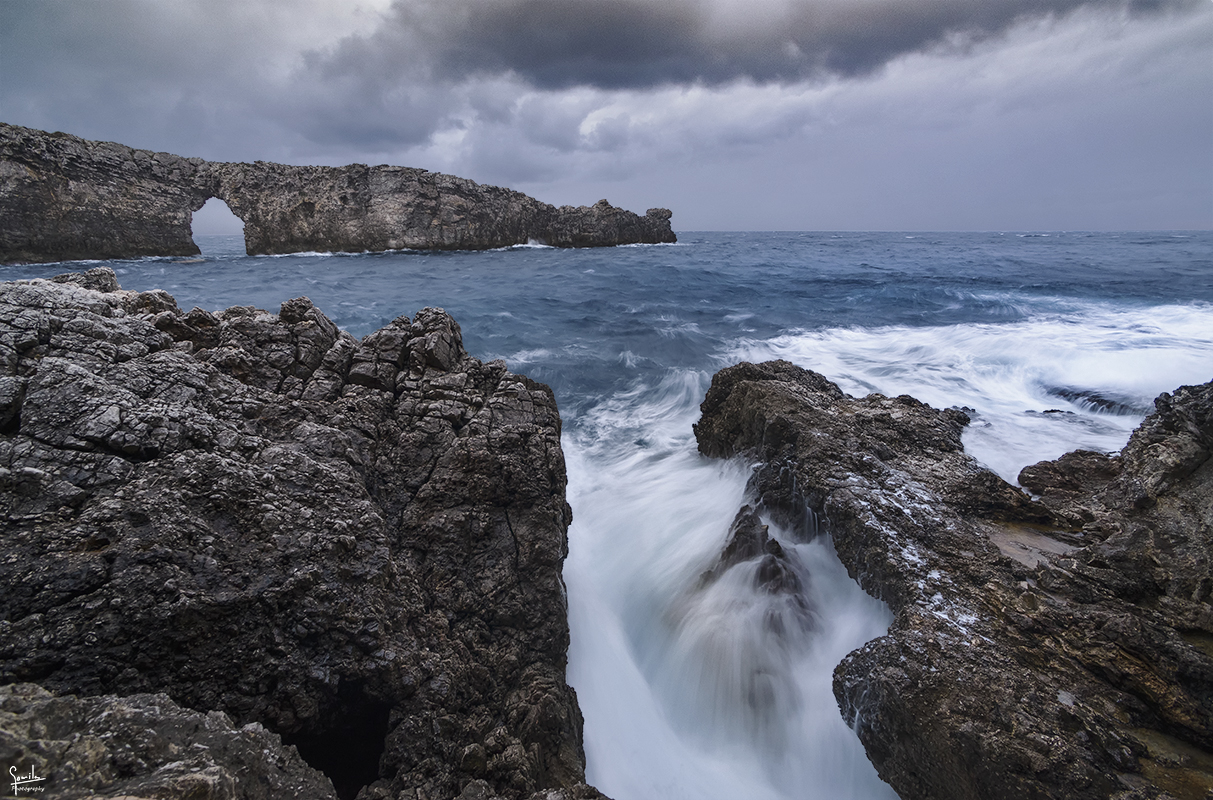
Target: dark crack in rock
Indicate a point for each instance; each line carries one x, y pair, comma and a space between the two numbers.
356, 544
63, 198
1058, 648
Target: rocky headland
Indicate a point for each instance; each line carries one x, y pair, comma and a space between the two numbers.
63, 198
1051, 647
247, 555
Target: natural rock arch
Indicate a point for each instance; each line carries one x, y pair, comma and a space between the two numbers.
215, 217
65, 198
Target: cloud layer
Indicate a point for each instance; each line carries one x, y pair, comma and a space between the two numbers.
634, 44
777, 113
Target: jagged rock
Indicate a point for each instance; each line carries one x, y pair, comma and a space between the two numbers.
1051, 649
1073, 475
62, 197
480, 790
144, 746
778, 571
357, 544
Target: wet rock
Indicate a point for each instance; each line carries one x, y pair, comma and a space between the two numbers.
778, 571
65, 198
1074, 475
1052, 648
356, 544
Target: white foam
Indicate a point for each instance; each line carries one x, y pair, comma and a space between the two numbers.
523, 357
664, 673
1009, 373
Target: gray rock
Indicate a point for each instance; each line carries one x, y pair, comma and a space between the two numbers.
356, 544
62, 197
1047, 649
67, 198
144, 746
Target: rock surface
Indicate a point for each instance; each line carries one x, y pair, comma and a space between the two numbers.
62, 197
145, 746
356, 544
1051, 648
65, 198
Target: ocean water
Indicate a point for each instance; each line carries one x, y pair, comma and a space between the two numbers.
1052, 341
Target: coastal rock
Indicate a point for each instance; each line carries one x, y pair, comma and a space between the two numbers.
1052, 648
62, 197
356, 544
777, 571
144, 746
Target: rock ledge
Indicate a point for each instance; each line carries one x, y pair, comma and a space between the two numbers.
1059, 647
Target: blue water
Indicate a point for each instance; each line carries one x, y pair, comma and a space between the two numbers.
1010, 325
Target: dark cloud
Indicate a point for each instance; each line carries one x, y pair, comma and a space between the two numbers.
630, 44
1018, 112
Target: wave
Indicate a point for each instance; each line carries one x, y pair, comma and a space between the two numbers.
671, 679
684, 695
529, 244
1099, 365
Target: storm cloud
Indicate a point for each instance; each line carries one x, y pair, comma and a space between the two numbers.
791, 114
636, 44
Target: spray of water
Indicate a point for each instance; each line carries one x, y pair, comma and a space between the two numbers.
695, 687
1079, 378
697, 681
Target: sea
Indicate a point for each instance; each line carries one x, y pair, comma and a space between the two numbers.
1051, 341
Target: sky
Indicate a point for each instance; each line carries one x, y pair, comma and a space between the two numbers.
735, 114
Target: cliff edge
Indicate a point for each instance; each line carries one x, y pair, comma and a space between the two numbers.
355, 546
63, 198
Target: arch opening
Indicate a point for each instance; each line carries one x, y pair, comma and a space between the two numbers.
216, 230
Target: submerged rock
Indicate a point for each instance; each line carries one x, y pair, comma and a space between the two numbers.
1057, 648
734, 637
62, 197
777, 571
356, 544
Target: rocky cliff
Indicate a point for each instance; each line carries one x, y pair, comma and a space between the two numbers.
65, 198
62, 197
355, 545
1059, 647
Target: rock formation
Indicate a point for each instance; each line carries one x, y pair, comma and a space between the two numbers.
144, 745
355, 544
62, 197
65, 198
1051, 648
